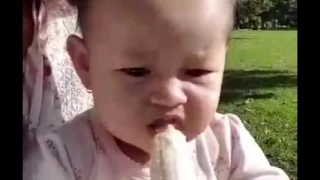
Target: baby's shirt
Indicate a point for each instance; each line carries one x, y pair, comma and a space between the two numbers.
81, 150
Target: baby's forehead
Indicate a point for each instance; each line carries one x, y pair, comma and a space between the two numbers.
180, 16
174, 11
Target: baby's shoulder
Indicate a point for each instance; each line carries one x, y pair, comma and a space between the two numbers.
229, 131
67, 149
230, 146
228, 117
223, 134
227, 124
78, 129
72, 131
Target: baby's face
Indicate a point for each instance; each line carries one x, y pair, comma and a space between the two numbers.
151, 64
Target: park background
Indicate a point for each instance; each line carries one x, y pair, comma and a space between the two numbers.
260, 83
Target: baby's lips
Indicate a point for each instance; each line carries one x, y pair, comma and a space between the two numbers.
167, 129
170, 132
171, 129
163, 123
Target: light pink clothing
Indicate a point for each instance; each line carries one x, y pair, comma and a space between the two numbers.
83, 150
52, 92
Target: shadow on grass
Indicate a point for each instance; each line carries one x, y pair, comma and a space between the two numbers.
239, 38
270, 29
241, 84
281, 29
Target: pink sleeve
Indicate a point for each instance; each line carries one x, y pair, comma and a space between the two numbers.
248, 160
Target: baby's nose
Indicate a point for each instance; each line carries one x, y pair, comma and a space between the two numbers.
169, 93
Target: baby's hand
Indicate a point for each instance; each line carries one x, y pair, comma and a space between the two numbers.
172, 160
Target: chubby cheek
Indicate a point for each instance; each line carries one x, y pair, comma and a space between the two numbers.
200, 109
113, 97
116, 110
120, 112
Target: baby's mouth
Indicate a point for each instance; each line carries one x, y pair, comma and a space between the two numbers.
161, 124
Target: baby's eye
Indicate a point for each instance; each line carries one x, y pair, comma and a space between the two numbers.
197, 72
135, 72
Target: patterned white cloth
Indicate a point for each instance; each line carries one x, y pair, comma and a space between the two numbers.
52, 92
82, 150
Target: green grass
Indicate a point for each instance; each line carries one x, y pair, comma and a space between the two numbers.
260, 86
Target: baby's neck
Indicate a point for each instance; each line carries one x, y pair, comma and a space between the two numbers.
134, 153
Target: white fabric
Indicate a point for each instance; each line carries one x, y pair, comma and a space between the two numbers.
52, 91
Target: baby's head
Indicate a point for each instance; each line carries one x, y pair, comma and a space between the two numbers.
152, 62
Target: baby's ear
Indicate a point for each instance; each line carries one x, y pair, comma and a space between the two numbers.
79, 55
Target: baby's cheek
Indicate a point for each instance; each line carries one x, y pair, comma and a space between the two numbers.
203, 99
200, 110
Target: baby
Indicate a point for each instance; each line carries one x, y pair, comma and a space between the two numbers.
151, 64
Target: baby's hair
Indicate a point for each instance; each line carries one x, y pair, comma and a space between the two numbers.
82, 6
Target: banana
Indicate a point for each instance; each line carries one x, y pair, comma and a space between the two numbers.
172, 159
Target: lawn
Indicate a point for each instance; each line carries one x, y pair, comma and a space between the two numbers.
260, 86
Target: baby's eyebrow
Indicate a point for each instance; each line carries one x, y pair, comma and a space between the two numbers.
140, 54
197, 56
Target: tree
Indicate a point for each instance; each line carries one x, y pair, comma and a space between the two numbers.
252, 10
283, 9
